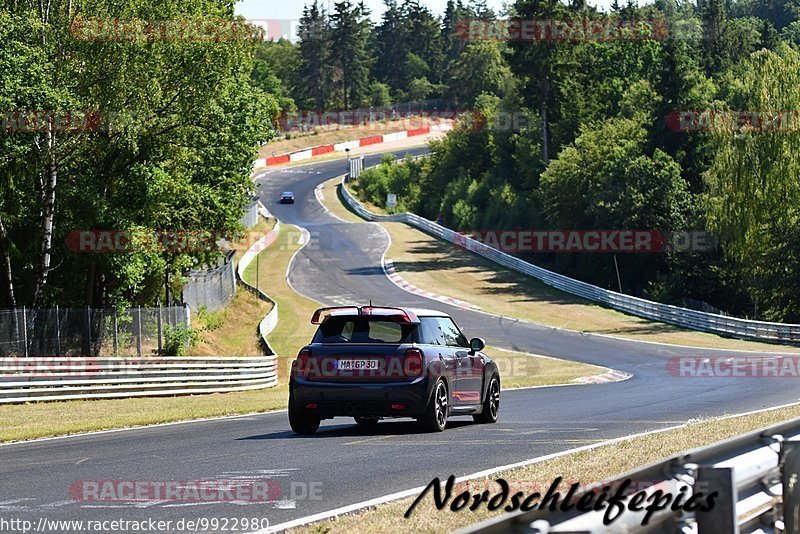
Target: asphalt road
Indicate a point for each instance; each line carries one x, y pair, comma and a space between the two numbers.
344, 464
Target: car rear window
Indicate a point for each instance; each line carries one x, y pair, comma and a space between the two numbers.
363, 330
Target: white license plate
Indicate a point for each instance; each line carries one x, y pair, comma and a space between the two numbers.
357, 365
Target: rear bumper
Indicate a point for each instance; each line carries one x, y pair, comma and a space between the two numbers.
343, 399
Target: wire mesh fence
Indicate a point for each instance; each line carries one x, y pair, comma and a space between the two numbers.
88, 332
250, 217
212, 289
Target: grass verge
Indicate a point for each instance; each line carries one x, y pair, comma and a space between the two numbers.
294, 327
436, 265
232, 331
586, 467
45, 419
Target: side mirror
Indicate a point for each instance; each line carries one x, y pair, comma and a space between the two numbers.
476, 344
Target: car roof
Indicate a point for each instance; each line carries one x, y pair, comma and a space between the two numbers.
425, 312
287, 193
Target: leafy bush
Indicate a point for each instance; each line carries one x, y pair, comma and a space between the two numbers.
177, 339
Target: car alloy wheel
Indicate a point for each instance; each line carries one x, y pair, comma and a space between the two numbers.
441, 404
491, 404
494, 398
435, 417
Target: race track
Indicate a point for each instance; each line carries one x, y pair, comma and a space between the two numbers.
347, 464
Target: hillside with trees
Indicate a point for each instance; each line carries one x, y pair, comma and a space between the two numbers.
595, 144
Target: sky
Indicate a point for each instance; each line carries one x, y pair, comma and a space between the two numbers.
292, 9
285, 13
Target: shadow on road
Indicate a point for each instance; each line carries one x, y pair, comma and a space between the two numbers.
384, 428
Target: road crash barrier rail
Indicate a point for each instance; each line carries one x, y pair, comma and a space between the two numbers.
271, 319
665, 313
755, 476
308, 153
63, 378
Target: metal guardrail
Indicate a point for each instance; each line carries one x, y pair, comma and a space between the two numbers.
755, 475
47, 379
666, 313
271, 319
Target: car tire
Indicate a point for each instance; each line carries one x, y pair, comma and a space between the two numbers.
435, 417
302, 423
366, 422
491, 404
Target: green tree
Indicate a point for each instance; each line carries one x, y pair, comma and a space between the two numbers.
180, 125
716, 45
275, 71
350, 29
380, 95
314, 71
753, 190
606, 180
480, 69
391, 46
424, 39
534, 65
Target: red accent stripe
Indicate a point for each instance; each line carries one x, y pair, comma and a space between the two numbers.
374, 140
419, 131
277, 160
467, 396
318, 151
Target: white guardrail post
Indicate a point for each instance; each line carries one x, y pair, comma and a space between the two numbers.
656, 311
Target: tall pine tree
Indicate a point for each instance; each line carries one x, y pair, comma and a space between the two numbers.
391, 46
350, 29
315, 74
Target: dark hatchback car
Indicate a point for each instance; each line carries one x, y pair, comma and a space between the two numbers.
287, 197
371, 363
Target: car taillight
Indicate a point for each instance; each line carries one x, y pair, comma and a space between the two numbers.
300, 365
412, 364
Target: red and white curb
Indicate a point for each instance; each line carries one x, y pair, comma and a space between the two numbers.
399, 281
605, 378
309, 153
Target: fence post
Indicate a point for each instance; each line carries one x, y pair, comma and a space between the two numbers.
25, 331
233, 271
139, 332
87, 333
58, 333
722, 517
790, 467
188, 313
116, 333
160, 329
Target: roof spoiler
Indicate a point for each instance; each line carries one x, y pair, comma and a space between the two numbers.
406, 316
